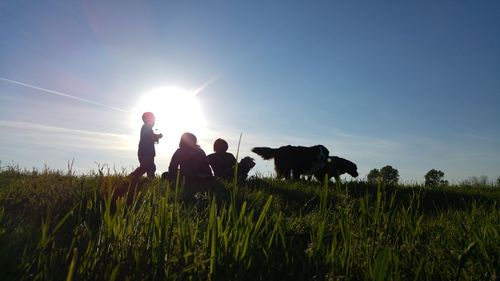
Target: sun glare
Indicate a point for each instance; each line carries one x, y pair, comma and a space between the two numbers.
176, 110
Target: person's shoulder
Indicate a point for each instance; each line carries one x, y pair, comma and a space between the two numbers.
229, 155
201, 151
146, 128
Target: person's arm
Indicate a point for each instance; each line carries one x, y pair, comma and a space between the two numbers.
233, 158
157, 137
174, 165
210, 158
229, 171
205, 166
151, 135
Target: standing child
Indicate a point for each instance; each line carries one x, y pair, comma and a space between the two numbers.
146, 150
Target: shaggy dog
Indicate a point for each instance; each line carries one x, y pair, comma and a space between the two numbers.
336, 166
244, 167
293, 161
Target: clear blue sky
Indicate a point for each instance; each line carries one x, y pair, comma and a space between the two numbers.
412, 85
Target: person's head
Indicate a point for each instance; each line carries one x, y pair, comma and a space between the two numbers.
148, 118
188, 140
220, 146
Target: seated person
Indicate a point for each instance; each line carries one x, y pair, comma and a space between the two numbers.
222, 162
189, 159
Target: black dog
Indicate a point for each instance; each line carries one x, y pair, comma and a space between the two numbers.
244, 167
336, 166
293, 161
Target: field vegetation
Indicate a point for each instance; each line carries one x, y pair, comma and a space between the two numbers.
55, 225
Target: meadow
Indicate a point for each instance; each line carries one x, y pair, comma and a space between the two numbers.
55, 225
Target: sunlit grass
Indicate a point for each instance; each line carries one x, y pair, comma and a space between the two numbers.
56, 226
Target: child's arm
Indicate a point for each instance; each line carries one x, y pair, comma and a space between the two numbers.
157, 137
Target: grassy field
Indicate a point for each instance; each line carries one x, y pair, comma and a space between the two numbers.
58, 226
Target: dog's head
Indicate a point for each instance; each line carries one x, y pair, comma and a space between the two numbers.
247, 163
244, 167
352, 170
320, 157
323, 152
337, 165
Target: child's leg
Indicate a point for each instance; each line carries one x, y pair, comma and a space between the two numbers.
138, 172
151, 168
143, 167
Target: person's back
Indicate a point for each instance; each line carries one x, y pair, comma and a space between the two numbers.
191, 162
189, 159
146, 141
222, 164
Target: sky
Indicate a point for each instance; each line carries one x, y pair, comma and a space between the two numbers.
411, 84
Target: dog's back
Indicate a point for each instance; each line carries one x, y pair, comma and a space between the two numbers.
295, 160
335, 167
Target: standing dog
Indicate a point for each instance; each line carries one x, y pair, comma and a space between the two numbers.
293, 161
336, 166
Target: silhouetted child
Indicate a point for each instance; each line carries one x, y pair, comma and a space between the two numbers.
189, 159
191, 163
146, 152
222, 162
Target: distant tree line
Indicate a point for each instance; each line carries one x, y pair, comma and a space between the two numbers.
433, 178
481, 180
386, 175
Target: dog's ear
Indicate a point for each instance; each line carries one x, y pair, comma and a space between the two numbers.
248, 162
327, 152
323, 152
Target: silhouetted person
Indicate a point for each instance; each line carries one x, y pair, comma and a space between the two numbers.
189, 159
146, 152
222, 162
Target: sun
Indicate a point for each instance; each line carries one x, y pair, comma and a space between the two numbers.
176, 110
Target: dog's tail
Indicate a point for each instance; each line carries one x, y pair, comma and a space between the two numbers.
265, 152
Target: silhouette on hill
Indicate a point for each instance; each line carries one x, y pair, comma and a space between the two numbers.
293, 161
335, 167
223, 162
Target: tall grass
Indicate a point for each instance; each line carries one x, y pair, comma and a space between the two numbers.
56, 226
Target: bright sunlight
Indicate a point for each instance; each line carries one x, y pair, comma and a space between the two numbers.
176, 110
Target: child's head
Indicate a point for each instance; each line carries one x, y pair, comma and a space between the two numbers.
188, 140
148, 118
220, 145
